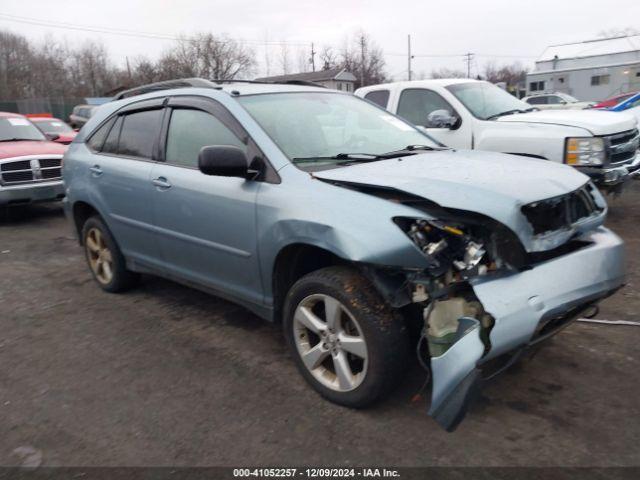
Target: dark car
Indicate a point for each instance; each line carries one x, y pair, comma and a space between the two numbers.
55, 129
81, 115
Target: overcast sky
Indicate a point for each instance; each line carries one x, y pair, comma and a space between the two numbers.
498, 30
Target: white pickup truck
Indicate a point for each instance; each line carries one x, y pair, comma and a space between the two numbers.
472, 114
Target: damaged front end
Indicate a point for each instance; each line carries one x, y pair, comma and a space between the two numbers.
483, 295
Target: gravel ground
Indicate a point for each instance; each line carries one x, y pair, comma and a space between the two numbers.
165, 375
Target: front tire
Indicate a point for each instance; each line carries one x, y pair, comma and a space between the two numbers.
348, 344
104, 257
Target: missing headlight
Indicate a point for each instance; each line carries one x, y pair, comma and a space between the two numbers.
448, 248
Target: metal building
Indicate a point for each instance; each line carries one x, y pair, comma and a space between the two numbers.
590, 71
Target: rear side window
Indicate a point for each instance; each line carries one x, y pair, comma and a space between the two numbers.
139, 133
99, 136
189, 131
537, 101
381, 97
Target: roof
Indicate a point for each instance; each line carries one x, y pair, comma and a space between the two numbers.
317, 76
590, 48
441, 82
10, 115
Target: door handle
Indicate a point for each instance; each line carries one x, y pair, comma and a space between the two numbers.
162, 183
96, 171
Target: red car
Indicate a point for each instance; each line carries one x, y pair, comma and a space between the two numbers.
55, 129
613, 101
30, 164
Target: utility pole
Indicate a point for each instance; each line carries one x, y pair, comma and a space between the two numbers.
313, 58
409, 56
469, 57
362, 42
128, 69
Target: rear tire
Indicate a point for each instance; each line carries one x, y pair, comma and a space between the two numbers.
347, 342
105, 260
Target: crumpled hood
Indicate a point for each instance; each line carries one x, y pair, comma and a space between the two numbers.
595, 121
492, 184
28, 147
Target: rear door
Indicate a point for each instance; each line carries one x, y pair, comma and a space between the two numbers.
120, 175
206, 224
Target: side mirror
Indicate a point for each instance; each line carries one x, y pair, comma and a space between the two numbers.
52, 136
223, 161
441, 119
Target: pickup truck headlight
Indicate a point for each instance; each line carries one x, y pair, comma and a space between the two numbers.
584, 151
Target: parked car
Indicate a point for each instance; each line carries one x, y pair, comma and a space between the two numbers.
477, 115
30, 164
556, 101
55, 129
627, 104
314, 208
613, 101
81, 115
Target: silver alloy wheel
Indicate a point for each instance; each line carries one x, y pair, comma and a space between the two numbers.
330, 342
99, 255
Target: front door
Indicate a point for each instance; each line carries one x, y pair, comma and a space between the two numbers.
415, 105
206, 224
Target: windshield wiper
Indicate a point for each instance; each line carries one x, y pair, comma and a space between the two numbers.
508, 112
368, 157
16, 139
351, 157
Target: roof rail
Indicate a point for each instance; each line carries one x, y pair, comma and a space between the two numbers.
166, 85
200, 83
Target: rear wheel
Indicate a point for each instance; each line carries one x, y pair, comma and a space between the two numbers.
347, 342
104, 257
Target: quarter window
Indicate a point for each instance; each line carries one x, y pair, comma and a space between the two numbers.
190, 130
381, 97
139, 133
111, 143
97, 139
416, 104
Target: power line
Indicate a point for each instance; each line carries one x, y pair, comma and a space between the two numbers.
163, 36
124, 32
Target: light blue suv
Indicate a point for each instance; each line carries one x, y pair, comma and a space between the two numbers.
363, 236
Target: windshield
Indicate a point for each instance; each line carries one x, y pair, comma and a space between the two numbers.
17, 128
53, 126
486, 101
316, 129
569, 98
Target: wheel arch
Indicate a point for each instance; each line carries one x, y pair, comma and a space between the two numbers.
294, 261
81, 212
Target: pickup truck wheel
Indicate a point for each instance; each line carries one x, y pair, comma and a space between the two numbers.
104, 257
347, 342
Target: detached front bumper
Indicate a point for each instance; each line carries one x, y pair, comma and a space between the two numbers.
527, 307
31, 192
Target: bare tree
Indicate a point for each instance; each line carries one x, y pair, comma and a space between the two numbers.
448, 73
510, 74
285, 59
328, 58
364, 59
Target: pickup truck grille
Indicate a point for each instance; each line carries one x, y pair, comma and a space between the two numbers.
561, 212
30, 171
622, 147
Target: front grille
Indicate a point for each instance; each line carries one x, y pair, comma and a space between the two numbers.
561, 212
30, 171
622, 147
